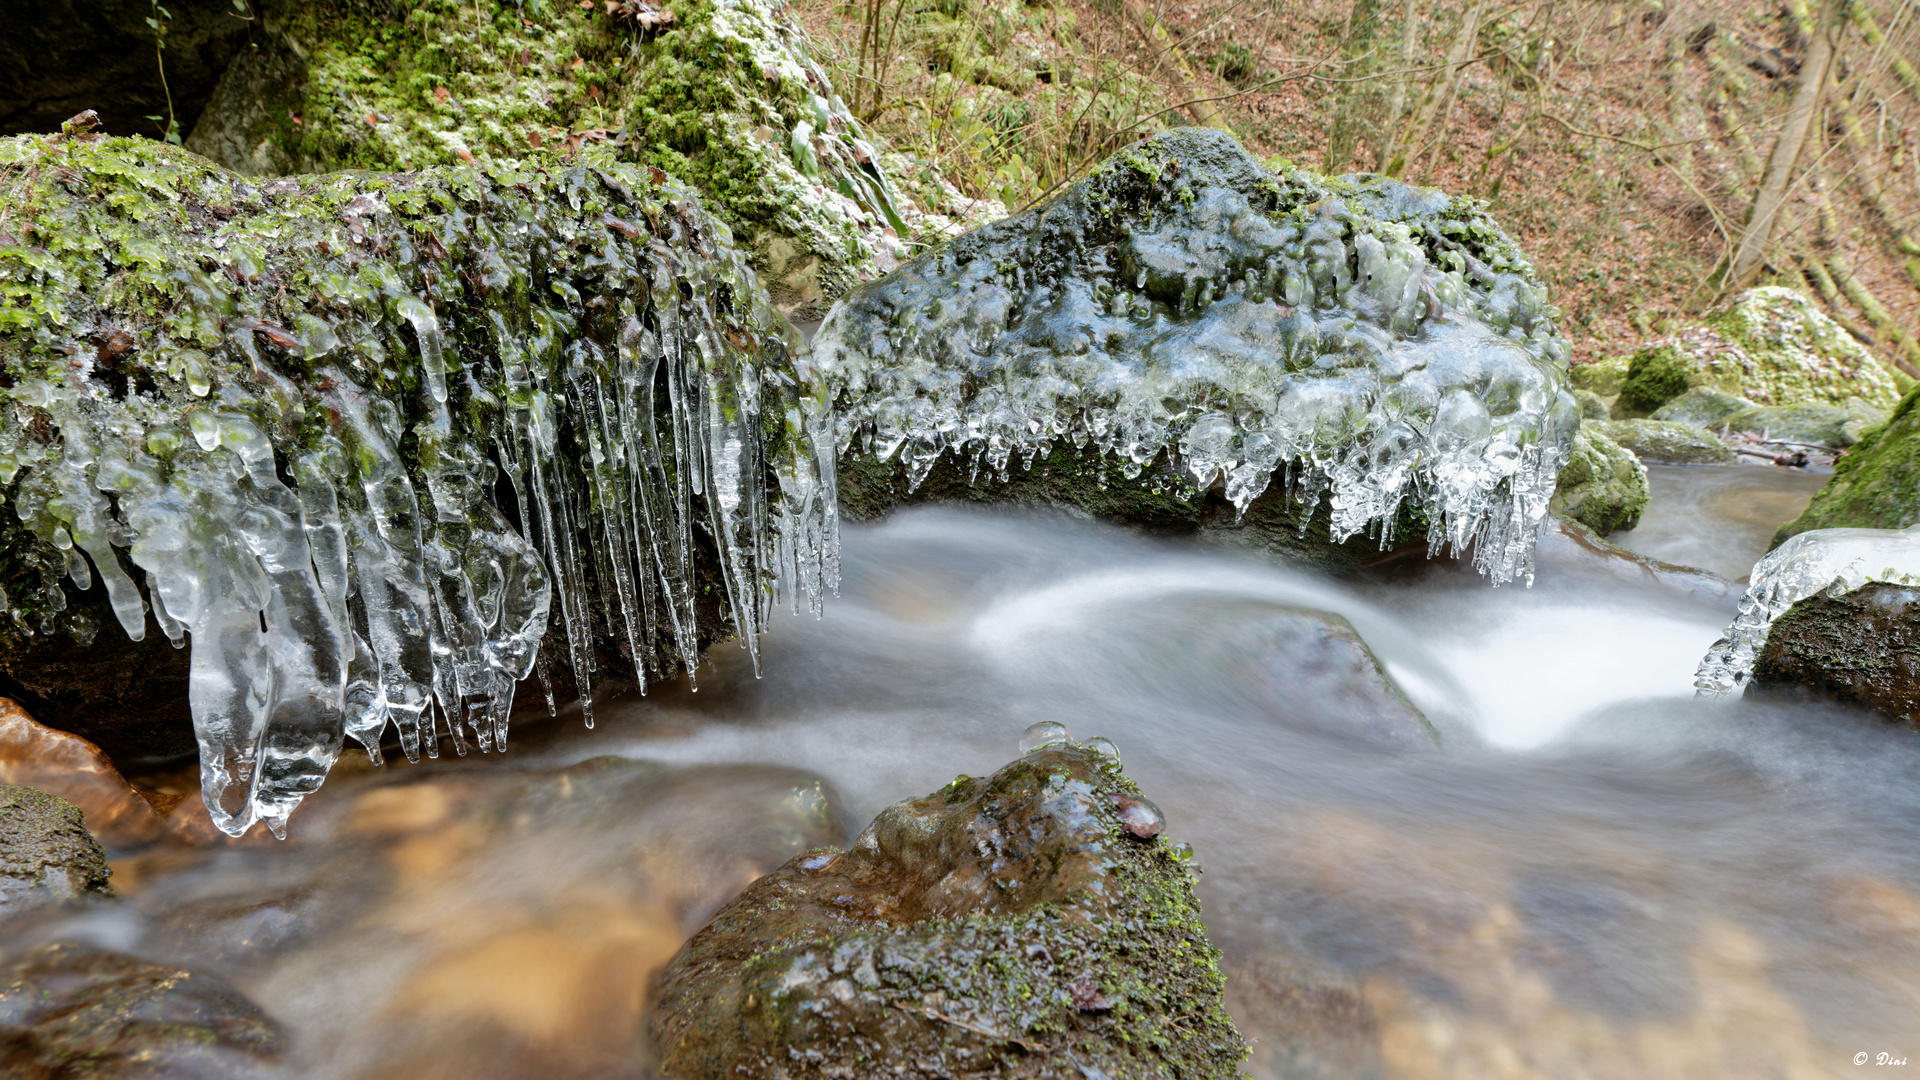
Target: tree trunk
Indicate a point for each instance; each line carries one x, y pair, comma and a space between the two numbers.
1744, 268
1161, 43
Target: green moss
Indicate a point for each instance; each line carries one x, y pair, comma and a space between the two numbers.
1876, 485
1656, 375
1603, 485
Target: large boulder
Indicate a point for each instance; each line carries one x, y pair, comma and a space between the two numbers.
358, 435
1036, 923
46, 854
1603, 485
1187, 323
1860, 648
73, 1011
1770, 345
1876, 485
721, 94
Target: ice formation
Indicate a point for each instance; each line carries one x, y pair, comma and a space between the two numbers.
1831, 561
1382, 342
292, 440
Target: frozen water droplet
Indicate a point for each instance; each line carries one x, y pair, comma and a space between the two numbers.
205, 428
1138, 816
1103, 746
1043, 734
1183, 853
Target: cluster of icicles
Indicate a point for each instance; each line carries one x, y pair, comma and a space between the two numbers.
1327, 349
1830, 561
325, 594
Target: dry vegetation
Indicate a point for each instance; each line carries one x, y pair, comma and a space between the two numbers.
1650, 156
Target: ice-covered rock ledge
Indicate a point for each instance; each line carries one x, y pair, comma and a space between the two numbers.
360, 438
1198, 319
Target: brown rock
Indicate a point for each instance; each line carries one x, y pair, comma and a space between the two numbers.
1859, 649
46, 854
37, 756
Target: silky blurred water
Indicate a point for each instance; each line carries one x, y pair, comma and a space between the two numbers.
1717, 517
1589, 875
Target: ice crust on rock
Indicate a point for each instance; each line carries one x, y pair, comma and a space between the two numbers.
1382, 342
296, 454
1831, 561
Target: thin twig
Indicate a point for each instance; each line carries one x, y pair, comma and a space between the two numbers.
931, 1014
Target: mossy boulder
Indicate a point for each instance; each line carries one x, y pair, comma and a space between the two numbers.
1861, 648
1188, 329
71, 1010
1664, 442
1876, 485
1603, 377
1036, 923
721, 94
47, 856
1603, 485
1811, 424
1703, 407
1770, 345
403, 422
1592, 405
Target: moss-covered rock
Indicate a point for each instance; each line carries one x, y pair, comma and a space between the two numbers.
1188, 324
1861, 648
354, 419
1876, 485
1665, 442
1592, 405
47, 856
1036, 923
1703, 407
1603, 485
721, 94
74, 1011
1770, 345
1602, 377
1810, 424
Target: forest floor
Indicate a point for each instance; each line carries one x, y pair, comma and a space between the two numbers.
1621, 144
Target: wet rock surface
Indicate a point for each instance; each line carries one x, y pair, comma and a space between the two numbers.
1013, 926
46, 854
1187, 320
1861, 648
34, 755
70, 1011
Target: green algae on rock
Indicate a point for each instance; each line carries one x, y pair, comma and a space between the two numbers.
355, 434
1876, 485
1603, 485
46, 853
1770, 345
723, 96
1203, 321
1031, 924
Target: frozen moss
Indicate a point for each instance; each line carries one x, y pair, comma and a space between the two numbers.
357, 435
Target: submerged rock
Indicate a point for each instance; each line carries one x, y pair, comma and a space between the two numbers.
73, 1011
46, 854
357, 435
1665, 442
1859, 648
1186, 321
1015, 926
1770, 345
1876, 485
1603, 485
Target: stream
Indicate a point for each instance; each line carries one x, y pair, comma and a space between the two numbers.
1593, 875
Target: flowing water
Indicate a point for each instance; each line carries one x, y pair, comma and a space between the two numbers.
1744, 505
1593, 875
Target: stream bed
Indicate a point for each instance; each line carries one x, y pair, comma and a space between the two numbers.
1590, 875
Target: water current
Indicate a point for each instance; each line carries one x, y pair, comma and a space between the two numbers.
1591, 875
